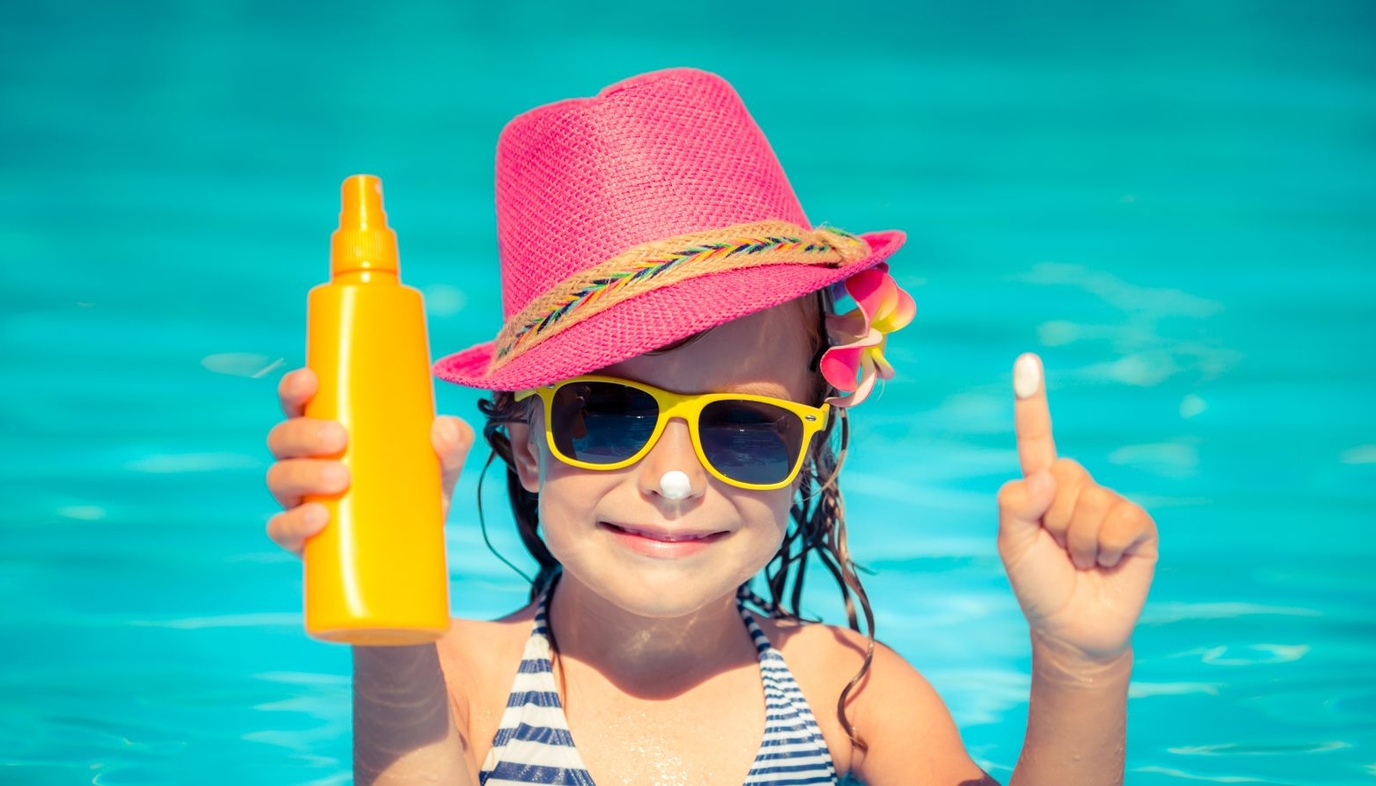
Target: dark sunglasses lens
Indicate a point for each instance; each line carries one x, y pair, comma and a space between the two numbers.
751, 441
601, 422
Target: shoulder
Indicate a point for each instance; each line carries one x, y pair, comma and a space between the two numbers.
479, 659
477, 645
904, 725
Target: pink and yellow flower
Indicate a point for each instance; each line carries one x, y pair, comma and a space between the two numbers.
856, 359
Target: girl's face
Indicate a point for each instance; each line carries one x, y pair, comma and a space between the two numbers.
618, 535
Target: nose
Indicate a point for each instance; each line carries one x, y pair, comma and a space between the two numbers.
671, 470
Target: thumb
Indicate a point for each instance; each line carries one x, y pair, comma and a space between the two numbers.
452, 438
1022, 504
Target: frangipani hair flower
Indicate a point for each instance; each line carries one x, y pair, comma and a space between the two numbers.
856, 359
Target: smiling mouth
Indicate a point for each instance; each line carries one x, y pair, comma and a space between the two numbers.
664, 537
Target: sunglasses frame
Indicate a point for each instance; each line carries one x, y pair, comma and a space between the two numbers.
686, 407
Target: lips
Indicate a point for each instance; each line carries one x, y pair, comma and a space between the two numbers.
660, 543
663, 536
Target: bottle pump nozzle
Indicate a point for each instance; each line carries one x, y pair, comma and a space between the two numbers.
363, 240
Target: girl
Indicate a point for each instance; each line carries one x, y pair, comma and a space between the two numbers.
671, 389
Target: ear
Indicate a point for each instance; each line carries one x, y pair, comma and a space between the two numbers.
525, 454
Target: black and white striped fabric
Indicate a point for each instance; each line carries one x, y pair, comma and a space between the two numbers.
533, 744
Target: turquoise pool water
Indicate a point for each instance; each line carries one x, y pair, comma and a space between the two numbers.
1175, 206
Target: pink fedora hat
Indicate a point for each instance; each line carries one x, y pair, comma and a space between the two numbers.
636, 218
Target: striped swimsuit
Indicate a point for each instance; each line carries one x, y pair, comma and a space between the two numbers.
533, 744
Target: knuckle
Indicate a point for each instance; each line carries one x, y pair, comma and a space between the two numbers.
291, 477
285, 439
276, 526
276, 439
288, 472
1011, 494
277, 475
1067, 498
303, 437
1126, 516
1114, 543
292, 382
1083, 533
1125, 524
1033, 429
1096, 498
1070, 471
1056, 525
1140, 514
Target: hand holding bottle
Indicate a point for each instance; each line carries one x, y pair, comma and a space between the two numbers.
305, 449
357, 468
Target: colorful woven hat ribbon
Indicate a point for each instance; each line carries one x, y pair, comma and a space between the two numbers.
666, 262
856, 360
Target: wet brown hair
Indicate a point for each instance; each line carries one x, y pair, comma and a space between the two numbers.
817, 519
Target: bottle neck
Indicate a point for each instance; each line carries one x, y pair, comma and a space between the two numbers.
365, 277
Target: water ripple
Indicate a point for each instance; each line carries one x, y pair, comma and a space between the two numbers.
1270, 654
1362, 454
1265, 749
166, 463
1142, 690
258, 620
1211, 778
1167, 613
241, 364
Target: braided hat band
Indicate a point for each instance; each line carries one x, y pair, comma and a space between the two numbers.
663, 263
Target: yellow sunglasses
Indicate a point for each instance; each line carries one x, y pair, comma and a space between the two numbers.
752, 442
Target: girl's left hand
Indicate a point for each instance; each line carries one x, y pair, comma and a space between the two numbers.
1080, 557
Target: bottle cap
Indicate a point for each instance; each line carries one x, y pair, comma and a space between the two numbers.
363, 240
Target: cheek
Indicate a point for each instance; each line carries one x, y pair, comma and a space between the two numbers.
569, 499
766, 515
768, 512
560, 512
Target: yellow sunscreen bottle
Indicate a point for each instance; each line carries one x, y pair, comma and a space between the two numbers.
376, 574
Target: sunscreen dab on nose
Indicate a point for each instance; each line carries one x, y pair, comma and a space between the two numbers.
674, 485
376, 575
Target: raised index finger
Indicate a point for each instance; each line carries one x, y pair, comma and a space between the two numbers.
1031, 416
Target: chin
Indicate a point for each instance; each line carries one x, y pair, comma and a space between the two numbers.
660, 589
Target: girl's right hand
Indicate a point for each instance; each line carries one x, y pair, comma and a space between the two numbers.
302, 446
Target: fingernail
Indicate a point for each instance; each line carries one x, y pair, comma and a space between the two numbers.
1027, 376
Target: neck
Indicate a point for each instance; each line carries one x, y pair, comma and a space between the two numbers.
647, 655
